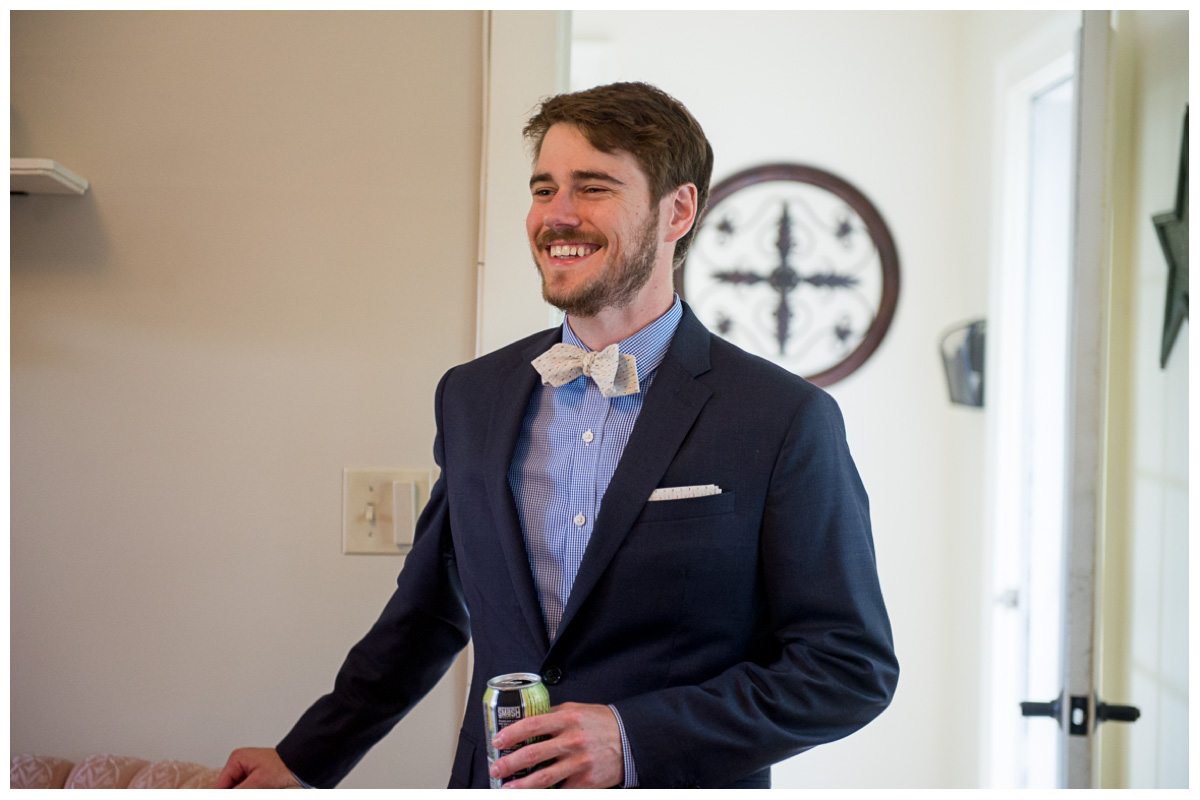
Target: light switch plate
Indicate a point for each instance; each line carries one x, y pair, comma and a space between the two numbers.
367, 494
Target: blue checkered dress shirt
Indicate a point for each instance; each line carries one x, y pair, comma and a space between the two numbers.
571, 441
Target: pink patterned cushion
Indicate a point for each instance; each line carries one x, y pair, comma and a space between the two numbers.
37, 772
205, 779
104, 772
166, 775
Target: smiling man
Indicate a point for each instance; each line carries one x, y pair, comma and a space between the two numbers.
671, 532
605, 268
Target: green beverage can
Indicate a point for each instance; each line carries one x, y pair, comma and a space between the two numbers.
507, 699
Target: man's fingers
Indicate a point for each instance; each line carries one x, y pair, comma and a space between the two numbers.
256, 780
255, 768
584, 749
229, 777
528, 757
233, 773
525, 729
558, 719
543, 778
567, 767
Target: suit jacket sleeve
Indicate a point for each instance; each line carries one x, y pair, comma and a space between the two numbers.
833, 668
406, 652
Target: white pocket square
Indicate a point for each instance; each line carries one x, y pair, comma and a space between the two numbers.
680, 492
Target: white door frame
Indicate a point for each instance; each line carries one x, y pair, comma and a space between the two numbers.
526, 59
1089, 319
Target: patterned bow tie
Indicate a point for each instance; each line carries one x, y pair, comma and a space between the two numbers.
614, 373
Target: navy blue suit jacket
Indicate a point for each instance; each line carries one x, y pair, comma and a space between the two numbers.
730, 631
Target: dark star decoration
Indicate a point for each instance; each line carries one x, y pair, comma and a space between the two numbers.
1172, 228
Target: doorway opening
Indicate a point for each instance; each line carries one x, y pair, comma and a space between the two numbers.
1029, 382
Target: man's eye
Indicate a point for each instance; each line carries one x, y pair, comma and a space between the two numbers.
541, 192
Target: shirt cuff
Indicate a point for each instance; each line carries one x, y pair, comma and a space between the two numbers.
300, 781
631, 777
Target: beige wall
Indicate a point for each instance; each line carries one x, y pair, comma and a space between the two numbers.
272, 269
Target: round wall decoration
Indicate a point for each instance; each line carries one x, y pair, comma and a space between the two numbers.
793, 264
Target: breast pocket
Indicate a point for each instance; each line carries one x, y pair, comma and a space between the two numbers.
688, 508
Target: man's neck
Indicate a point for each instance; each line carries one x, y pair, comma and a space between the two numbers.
612, 324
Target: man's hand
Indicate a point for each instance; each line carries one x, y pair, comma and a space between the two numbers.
584, 745
256, 768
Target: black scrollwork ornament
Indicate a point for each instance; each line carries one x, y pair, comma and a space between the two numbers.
794, 264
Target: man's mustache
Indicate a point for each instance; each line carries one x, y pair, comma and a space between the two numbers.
570, 235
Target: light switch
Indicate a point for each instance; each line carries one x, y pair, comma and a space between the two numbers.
380, 509
404, 513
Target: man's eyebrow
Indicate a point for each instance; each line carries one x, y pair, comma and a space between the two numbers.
591, 175
578, 175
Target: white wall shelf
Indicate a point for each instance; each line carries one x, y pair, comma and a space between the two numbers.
44, 176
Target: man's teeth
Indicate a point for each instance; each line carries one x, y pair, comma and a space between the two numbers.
568, 250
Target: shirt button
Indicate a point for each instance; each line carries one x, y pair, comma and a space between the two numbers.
580, 519
588, 436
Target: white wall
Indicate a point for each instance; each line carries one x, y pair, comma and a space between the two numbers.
899, 104
272, 269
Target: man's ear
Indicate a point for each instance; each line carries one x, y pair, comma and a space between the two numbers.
679, 209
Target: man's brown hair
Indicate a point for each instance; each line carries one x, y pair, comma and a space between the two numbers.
667, 141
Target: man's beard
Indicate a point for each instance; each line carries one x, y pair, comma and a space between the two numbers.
620, 281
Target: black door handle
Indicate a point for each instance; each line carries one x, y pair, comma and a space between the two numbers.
1052, 709
1107, 713
1078, 721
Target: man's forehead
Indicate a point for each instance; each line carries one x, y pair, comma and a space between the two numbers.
566, 150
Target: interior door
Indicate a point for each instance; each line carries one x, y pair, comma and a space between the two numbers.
1048, 359
1088, 324
1077, 708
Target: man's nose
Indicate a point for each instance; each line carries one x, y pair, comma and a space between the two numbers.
561, 212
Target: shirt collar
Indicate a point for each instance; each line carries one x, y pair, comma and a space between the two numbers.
648, 346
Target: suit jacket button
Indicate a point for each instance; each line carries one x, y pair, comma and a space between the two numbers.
552, 676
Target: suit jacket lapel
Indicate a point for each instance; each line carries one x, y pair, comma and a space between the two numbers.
514, 387
668, 412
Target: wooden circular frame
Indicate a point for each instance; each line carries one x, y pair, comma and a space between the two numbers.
876, 229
